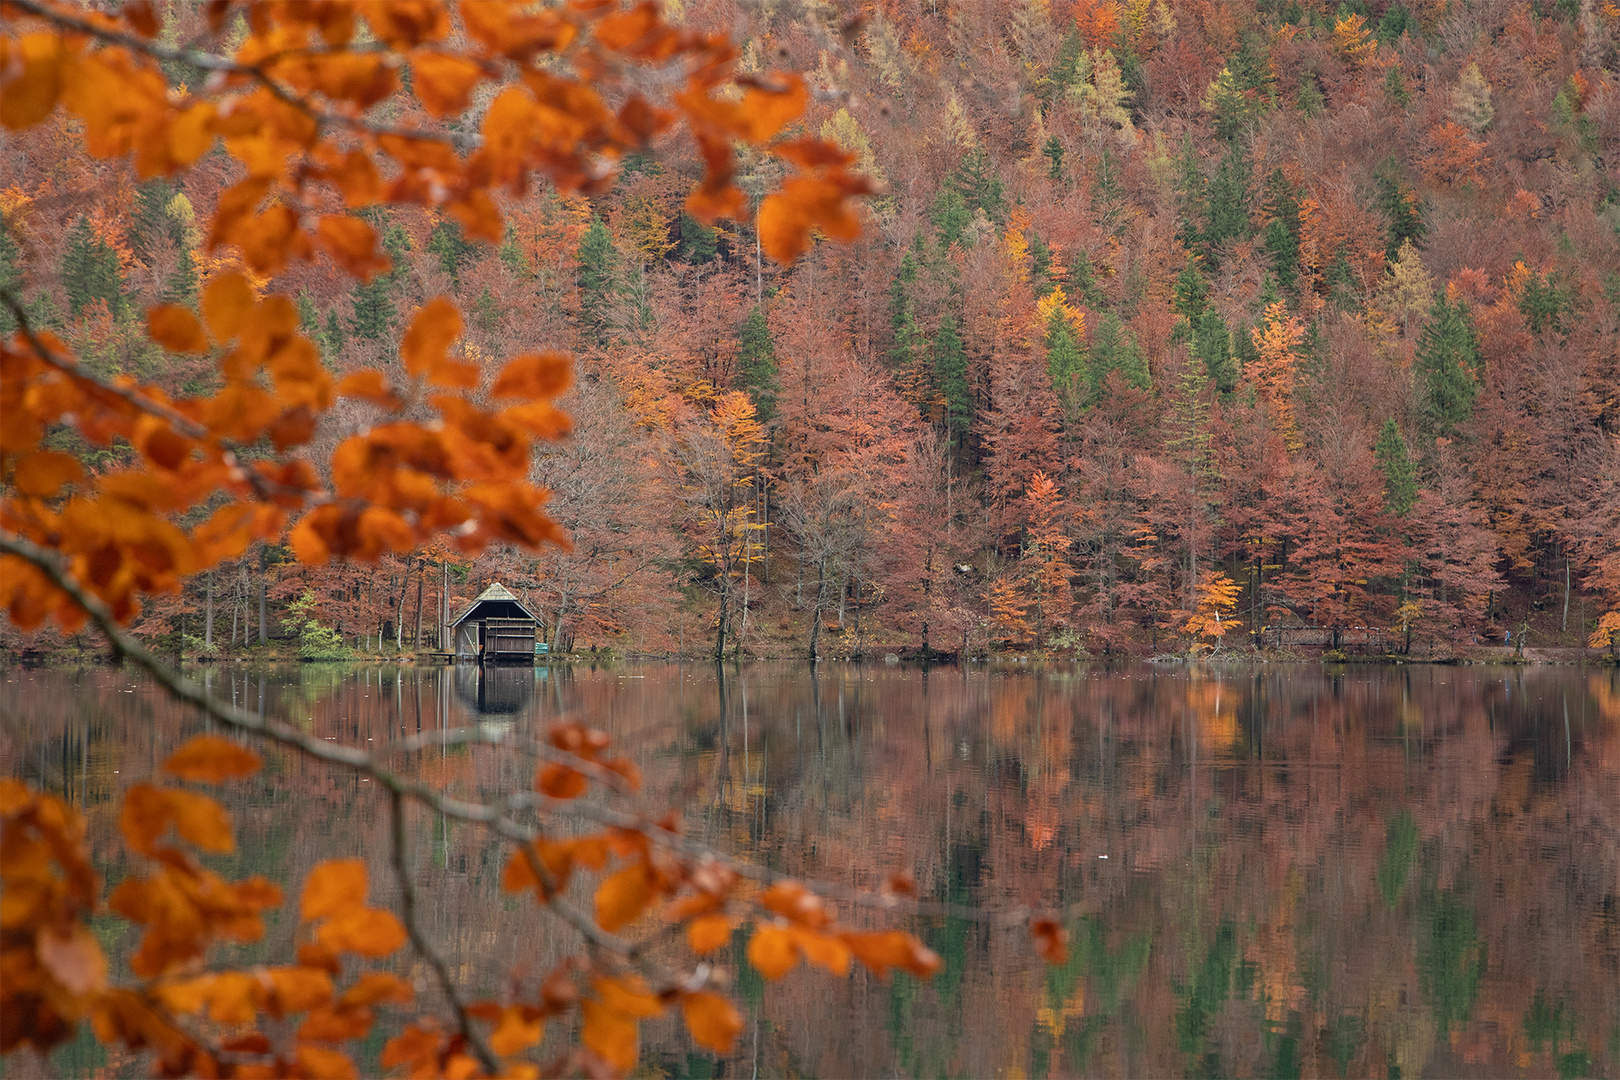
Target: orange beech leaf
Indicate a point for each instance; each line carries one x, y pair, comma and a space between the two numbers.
227, 301
233, 997
772, 950
368, 385
148, 811
176, 329
337, 1023
298, 989
434, 328
787, 216
624, 896
251, 1043
202, 821
627, 995
560, 782
367, 931
378, 986
191, 134
887, 949
73, 957
36, 64
770, 103
515, 1032
211, 759
1051, 941
713, 1021
353, 173
414, 1046
540, 376
707, 933
443, 82
325, 1063
822, 950
790, 899
813, 154
610, 1035
353, 246
42, 473
332, 888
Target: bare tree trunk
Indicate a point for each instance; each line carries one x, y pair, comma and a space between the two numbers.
1565, 628
399, 611
208, 613
815, 612
264, 572
416, 638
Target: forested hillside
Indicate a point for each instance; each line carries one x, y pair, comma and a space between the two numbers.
1171, 320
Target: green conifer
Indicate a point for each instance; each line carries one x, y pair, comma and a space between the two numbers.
1447, 366
597, 275
448, 243
91, 272
1400, 475
756, 362
1112, 349
950, 368
1065, 361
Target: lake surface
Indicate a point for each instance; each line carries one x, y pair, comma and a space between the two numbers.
1266, 871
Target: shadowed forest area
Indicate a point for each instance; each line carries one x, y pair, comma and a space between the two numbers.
1172, 320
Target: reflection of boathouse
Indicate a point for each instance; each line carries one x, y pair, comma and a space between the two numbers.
495, 629
495, 689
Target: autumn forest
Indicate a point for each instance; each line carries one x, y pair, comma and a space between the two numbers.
1170, 324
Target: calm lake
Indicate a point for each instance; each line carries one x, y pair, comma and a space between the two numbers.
1284, 870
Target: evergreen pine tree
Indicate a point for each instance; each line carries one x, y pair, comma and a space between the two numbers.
699, 243
950, 368
950, 216
1226, 215
1447, 365
756, 362
1065, 362
1108, 199
1082, 280
976, 181
91, 271
1401, 207
151, 224
1040, 264
374, 313
11, 278
597, 276
1400, 475
1112, 349
1280, 208
449, 244
1395, 88
1053, 150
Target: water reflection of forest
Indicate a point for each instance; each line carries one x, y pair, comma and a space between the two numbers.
1278, 870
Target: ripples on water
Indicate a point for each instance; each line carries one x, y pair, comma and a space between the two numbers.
1280, 870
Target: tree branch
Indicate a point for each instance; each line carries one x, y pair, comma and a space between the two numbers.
424, 948
255, 72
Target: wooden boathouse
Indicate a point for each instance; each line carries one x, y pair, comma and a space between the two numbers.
496, 628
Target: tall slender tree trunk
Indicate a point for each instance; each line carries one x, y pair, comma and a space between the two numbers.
264, 572
1565, 628
720, 639
416, 638
399, 612
815, 611
208, 613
